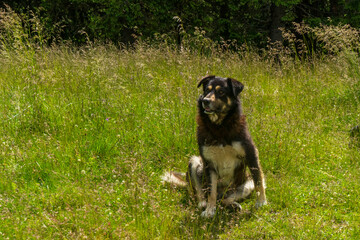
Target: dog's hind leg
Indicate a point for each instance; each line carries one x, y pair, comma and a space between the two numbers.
240, 192
195, 175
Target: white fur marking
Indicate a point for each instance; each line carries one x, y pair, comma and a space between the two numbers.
239, 148
170, 178
249, 185
196, 163
213, 117
196, 160
225, 159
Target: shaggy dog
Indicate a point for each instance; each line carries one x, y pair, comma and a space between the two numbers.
226, 150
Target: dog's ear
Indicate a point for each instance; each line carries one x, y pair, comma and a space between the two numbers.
204, 81
235, 86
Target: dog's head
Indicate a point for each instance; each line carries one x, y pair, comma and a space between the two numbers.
219, 97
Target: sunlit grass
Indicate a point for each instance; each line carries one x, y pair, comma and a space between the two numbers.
85, 134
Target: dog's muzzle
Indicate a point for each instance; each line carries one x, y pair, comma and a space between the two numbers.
206, 104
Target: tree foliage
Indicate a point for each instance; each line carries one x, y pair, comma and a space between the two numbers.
246, 21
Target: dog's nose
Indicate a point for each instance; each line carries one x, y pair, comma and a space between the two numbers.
206, 101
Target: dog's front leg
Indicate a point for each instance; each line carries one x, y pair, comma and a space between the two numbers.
257, 175
211, 205
259, 186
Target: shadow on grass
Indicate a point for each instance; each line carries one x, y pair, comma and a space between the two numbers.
355, 136
225, 219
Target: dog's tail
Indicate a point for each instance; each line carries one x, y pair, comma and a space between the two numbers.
175, 178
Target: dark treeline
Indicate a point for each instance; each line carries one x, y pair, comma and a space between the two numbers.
247, 21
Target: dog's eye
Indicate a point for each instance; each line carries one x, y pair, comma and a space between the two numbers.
221, 92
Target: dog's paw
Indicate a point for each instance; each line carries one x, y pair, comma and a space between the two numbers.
202, 204
231, 204
260, 203
209, 212
234, 206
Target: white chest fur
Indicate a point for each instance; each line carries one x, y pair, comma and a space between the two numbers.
225, 159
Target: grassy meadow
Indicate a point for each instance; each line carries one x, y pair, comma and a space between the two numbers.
85, 134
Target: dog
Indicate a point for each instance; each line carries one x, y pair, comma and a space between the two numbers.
226, 150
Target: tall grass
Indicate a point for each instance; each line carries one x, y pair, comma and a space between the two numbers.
86, 132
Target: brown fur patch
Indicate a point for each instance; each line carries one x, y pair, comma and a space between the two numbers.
229, 101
